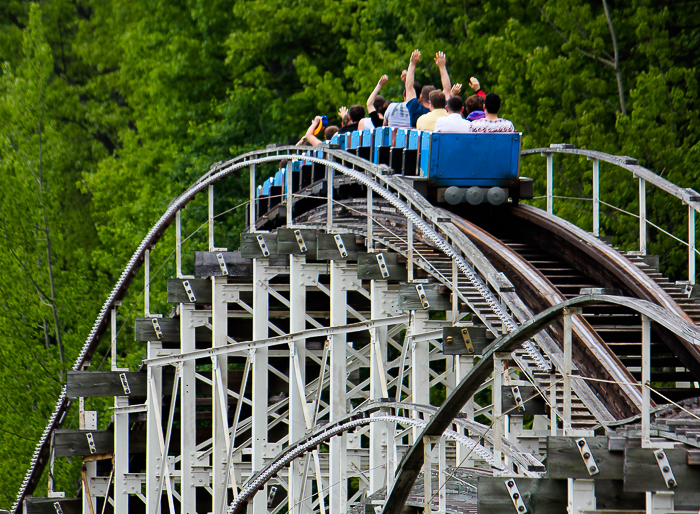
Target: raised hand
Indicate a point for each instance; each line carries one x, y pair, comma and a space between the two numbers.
456, 89
474, 84
440, 59
342, 112
383, 80
403, 76
415, 56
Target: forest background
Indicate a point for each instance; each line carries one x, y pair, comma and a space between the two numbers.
111, 108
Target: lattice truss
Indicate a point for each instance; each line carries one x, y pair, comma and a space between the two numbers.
257, 363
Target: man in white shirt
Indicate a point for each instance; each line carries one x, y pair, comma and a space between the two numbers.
453, 122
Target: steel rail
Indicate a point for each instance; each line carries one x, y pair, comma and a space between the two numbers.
256, 482
539, 289
413, 460
687, 195
607, 265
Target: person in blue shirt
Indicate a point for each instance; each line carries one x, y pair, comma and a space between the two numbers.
417, 106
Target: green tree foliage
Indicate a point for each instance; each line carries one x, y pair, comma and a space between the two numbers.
110, 108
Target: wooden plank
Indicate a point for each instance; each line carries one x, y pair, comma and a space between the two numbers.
532, 401
693, 458
564, 459
409, 300
201, 288
540, 495
104, 383
287, 242
327, 249
610, 495
74, 443
48, 505
250, 248
206, 264
368, 266
642, 473
453, 341
144, 331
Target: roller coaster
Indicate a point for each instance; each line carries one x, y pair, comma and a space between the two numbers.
390, 337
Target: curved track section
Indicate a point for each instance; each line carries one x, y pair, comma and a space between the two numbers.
413, 460
592, 356
600, 261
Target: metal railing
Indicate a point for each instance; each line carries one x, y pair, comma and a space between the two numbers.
688, 197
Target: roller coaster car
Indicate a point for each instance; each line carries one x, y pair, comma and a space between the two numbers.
457, 168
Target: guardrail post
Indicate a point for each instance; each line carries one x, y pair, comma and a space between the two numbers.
329, 198
646, 375
251, 205
147, 283
211, 218
550, 188
596, 197
178, 244
691, 244
288, 184
642, 215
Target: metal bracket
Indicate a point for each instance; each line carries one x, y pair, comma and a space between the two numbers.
467, 340
222, 263
271, 494
341, 246
300, 241
156, 327
587, 455
263, 245
423, 298
518, 398
188, 290
91, 442
515, 496
665, 467
58, 508
125, 383
382, 265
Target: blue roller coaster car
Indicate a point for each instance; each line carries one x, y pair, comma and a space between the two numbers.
469, 168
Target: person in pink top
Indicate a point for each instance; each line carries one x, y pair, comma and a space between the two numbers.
491, 122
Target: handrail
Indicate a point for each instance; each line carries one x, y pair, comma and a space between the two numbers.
453, 404
687, 195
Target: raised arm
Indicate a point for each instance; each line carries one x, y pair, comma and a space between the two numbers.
411, 75
370, 101
441, 62
310, 138
474, 84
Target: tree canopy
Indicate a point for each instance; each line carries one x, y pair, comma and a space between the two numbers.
110, 108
